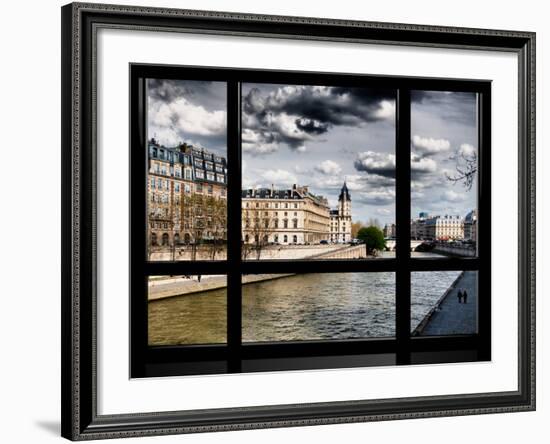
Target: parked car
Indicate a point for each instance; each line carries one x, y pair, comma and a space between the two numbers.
324, 242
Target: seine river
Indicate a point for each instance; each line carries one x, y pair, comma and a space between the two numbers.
299, 307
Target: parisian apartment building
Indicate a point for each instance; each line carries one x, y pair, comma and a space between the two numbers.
294, 216
187, 204
446, 227
187, 189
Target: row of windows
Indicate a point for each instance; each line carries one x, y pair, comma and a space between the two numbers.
275, 238
161, 184
267, 205
275, 223
213, 177
171, 156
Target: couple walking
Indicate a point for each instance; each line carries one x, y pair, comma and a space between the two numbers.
462, 296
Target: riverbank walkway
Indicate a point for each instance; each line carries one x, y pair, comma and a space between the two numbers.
448, 316
179, 286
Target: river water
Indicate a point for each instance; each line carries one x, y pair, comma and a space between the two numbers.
300, 307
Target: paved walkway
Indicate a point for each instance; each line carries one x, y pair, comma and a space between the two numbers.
179, 286
451, 317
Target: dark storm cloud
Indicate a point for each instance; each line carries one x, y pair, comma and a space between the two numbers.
378, 164
311, 126
211, 95
327, 105
294, 115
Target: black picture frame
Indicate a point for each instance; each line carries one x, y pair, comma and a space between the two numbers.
80, 419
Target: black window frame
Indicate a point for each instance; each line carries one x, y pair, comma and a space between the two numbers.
236, 356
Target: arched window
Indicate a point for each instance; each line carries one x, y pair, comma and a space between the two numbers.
154, 241
187, 238
165, 239
285, 239
176, 238
295, 239
247, 238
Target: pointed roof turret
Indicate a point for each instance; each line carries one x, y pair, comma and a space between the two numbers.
344, 193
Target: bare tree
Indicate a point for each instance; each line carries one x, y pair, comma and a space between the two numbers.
256, 230
466, 169
216, 213
194, 215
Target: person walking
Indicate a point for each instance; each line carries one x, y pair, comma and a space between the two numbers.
465, 296
460, 296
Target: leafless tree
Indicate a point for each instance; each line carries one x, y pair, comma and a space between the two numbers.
216, 213
256, 228
466, 169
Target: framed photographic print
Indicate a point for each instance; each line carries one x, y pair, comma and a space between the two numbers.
278, 221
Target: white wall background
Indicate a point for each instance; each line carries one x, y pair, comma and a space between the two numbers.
30, 221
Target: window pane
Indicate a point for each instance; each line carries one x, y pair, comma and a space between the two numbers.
318, 172
187, 310
318, 306
187, 170
444, 165
443, 303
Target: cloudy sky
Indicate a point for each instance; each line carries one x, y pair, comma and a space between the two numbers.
320, 136
188, 111
443, 129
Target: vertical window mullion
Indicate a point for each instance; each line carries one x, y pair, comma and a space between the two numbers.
234, 318
403, 220
484, 223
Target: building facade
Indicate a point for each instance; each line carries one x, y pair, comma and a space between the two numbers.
470, 226
284, 216
444, 228
340, 218
187, 189
390, 231
418, 227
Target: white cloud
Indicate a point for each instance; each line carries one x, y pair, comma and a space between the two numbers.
253, 143
328, 167
422, 164
188, 118
278, 177
452, 196
386, 110
428, 146
372, 162
467, 150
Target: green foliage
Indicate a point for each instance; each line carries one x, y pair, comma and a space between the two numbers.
373, 238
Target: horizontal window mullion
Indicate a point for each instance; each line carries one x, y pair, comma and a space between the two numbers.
442, 343
194, 352
318, 266
317, 348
